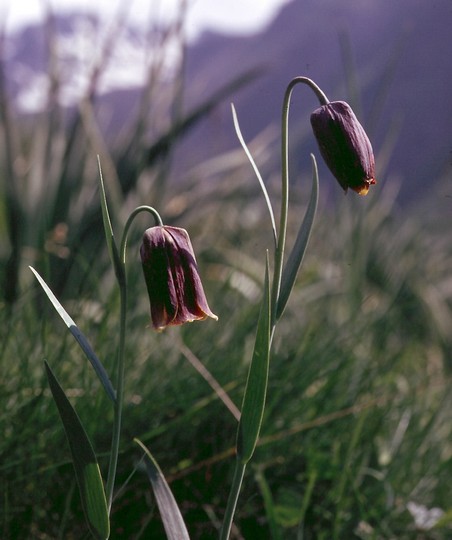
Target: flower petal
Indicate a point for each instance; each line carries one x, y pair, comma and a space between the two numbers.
158, 277
192, 299
344, 146
172, 279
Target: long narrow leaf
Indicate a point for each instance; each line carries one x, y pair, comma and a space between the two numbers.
256, 385
108, 229
256, 170
172, 519
269, 505
80, 338
296, 256
105, 214
85, 463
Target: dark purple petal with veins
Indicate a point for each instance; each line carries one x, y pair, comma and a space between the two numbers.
344, 146
171, 274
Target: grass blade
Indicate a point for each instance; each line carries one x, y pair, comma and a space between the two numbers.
269, 505
85, 463
172, 519
256, 385
296, 256
79, 337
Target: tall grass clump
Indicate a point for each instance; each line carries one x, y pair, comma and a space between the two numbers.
317, 406
50, 213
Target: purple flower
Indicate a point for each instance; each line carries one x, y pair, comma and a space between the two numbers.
344, 146
172, 279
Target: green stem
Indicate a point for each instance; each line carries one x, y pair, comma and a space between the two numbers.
119, 397
158, 221
122, 281
279, 253
239, 472
277, 276
321, 96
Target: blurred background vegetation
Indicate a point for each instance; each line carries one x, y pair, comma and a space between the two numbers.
356, 439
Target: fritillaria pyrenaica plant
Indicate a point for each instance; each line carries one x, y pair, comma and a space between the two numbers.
176, 296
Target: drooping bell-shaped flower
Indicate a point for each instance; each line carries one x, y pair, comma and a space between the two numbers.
344, 146
175, 290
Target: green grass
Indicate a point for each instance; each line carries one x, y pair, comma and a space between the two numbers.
358, 412
358, 416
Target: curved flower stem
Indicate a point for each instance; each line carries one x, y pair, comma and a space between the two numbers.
321, 96
121, 276
158, 222
279, 253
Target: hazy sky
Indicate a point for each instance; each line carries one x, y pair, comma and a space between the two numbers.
224, 15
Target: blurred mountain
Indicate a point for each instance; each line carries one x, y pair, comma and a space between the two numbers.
391, 60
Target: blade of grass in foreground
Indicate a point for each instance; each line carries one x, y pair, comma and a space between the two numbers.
85, 463
79, 337
172, 519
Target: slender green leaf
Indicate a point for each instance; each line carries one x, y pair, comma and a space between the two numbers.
270, 510
256, 385
295, 260
256, 170
312, 478
108, 229
105, 214
85, 463
345, 479
79, 337
172, 519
